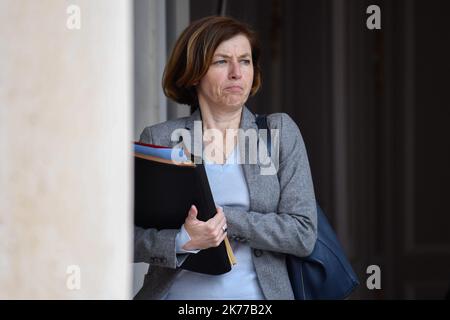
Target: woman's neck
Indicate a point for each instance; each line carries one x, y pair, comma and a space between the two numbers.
220, 119
227, 122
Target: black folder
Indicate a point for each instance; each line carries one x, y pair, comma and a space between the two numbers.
164, 192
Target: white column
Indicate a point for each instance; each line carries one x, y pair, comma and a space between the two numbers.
65, 160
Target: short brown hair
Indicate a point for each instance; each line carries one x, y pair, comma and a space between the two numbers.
193, 52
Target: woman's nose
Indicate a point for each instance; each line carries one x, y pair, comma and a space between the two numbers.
235, 70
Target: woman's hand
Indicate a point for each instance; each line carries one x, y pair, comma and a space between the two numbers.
207, 234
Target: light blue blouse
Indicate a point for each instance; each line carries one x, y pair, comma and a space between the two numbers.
229, 188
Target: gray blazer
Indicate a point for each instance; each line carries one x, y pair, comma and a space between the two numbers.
282, 218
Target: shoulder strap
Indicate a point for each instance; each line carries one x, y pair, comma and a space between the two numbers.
261, 122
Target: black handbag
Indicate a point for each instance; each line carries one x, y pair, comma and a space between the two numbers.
326, 273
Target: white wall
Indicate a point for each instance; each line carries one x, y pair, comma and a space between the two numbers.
65, 160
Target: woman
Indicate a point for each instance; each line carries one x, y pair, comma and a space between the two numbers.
214, 68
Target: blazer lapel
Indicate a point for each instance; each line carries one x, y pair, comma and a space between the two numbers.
248, 121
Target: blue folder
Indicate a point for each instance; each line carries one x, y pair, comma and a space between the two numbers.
174, 154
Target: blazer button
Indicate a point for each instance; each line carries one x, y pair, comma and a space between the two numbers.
258, 253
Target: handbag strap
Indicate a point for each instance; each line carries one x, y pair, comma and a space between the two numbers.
261, 122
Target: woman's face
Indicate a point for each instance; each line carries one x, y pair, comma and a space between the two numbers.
229, 79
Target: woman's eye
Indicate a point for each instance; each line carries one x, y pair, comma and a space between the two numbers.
246, 62
220, 62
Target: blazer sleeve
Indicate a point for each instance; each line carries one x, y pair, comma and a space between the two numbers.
155, 247
293, 228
